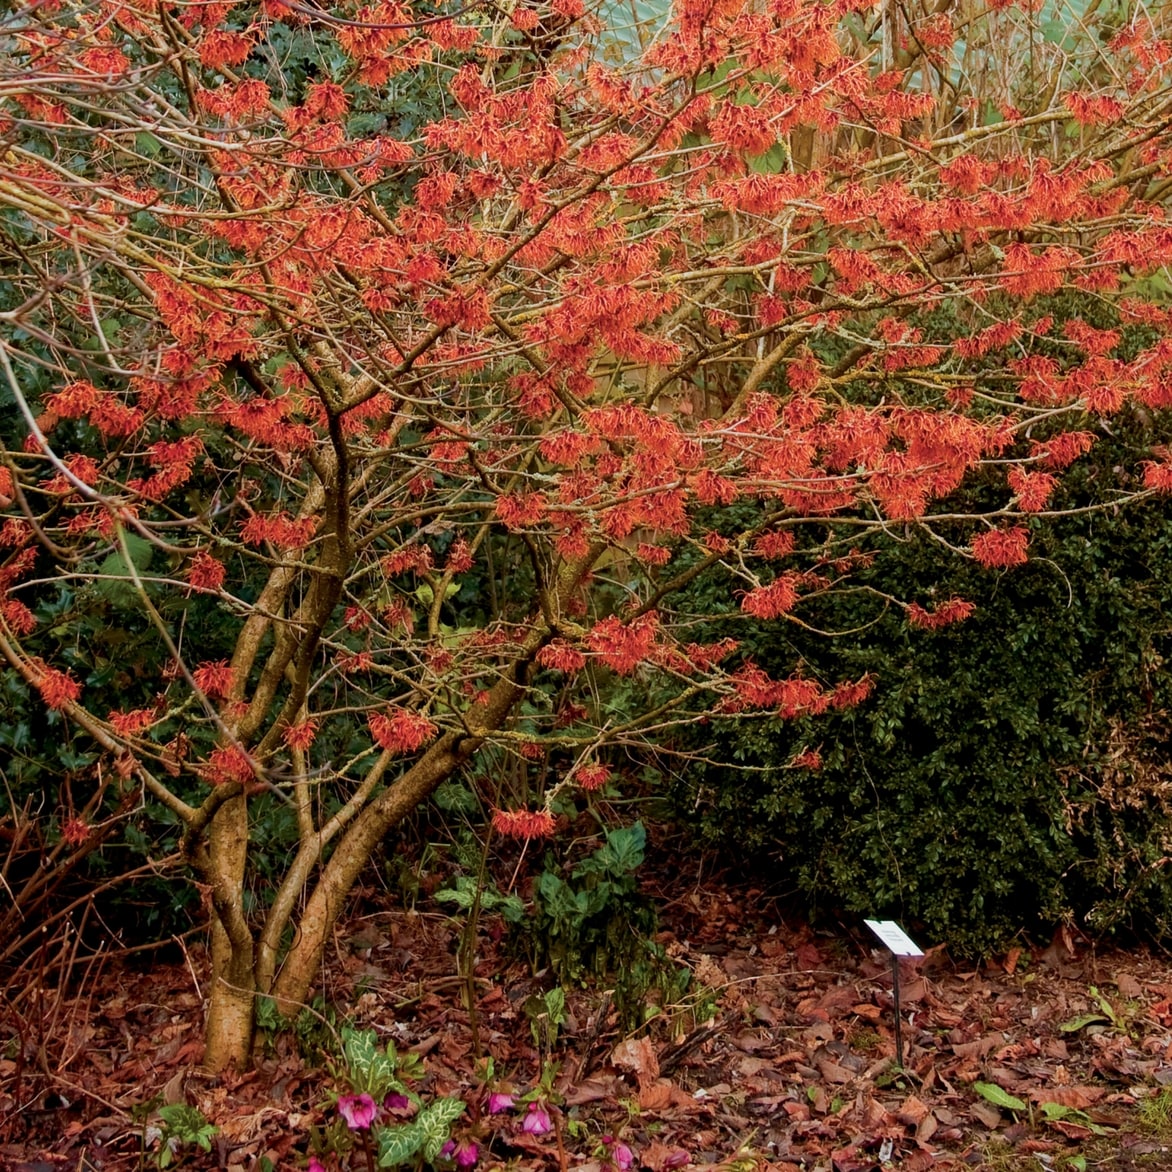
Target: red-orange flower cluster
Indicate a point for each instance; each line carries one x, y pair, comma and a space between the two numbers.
280, 529
214, 679
1158, 476
1033, 489
18, 616
75, 831
524, 823
400, 730
227, 764
57, 688
300, 736
623, 646
774, 600
1001, 547
205, 572
955, 610
807, 759
410, 557
592, 776
561, 656
128, 724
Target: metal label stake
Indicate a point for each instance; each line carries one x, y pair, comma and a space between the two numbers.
899, 944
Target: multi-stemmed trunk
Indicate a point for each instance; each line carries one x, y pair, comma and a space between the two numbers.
246, 964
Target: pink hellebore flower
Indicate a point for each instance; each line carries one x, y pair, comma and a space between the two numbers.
621, 1156
467, 1154
537, 1122
358, 1111
394, 1101
315, 1165
499, 1101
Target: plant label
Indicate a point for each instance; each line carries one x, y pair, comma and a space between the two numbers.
894, 938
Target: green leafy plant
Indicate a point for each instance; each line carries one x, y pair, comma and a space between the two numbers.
316, 1028
370, 1069
379, 1112
595, 923
183, 1127
1057, 1113
1107, 1015
463, 894
992, 1093
547, 1014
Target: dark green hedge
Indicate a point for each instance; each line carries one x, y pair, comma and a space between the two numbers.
1007, 773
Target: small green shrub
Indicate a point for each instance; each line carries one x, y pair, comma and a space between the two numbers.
183, 1127
594, 922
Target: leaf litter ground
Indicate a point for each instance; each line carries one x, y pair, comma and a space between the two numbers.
1055, 1059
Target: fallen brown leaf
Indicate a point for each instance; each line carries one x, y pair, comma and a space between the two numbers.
912, 1111
1074, 1131
978, 1048
590, 1090
659, 1156
918, 1161
1128, 986
1078, 1098
656, 1096
638, 1056
832, 1072
987, 1114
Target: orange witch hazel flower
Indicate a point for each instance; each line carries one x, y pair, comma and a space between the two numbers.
300, 736
228, 763
1001, 547
75, 831
214, 679
400, 730
807, 759
955, 610
561, 656
205, 572
592, 776
523, 823
57, 688
127, 724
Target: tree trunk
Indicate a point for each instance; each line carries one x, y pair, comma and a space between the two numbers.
351, 854
368, 829
231, 1016
232, 997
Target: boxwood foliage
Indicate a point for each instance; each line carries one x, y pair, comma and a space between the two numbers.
1008, 773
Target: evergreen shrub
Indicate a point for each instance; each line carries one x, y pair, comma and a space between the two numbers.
1009, 772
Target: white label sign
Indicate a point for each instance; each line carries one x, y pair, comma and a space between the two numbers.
894, 938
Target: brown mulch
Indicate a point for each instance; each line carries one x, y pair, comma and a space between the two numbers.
780, 1055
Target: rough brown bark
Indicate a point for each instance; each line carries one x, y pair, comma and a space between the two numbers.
291, 988
231, 998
